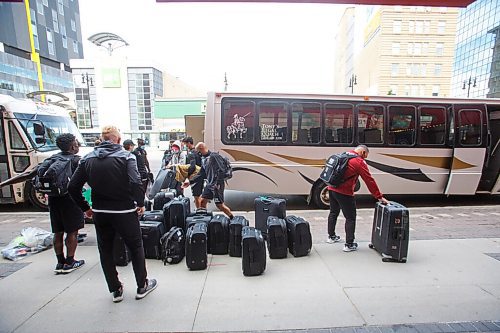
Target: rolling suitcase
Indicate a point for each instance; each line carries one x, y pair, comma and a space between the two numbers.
152, 215
218, 235
235, 227
121, 254
198, 217
391, 231
164, 180
175, 212
196, 247
151, 232
265, 207
277, 240
299, 236
162, 198
253, 259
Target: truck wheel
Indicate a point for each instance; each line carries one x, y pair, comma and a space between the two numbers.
321, 197
37, 199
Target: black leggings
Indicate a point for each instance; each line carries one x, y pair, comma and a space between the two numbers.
127, 226
347, 204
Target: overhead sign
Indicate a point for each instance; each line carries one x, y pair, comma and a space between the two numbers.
435, 3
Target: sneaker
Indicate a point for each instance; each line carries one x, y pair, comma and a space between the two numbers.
68, 268
349, 247
118, 295
59, 268
151, 285
333, 239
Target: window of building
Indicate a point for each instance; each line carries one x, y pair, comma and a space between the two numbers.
438, 68
273, 122
435, 90
402, 125
34, 30
419, 27
407, 90
439, 48
411, 26
306, 124
45, 2
338, 123
39, 7
441, 27
396, 26
425, 48
50, 42
427, 26
55, 21
65, 41
432, 125
418, 49
73, 25
75, 46
33, 15
395, 48
60, 7
414, 90
370, 124
62, 28
394, 69
422, 90
411, 47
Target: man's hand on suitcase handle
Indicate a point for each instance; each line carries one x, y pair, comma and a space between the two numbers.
384, 201
140, 210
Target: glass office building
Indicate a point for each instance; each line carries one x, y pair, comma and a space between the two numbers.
476, 70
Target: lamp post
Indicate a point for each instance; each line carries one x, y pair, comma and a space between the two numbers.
468, 84
352, 83
90, 83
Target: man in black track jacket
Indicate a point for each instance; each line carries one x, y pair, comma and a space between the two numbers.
117, 199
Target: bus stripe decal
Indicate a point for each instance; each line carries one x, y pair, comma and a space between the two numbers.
410, 174
257, 172
438, 162
238, 155
305, 161
310, 181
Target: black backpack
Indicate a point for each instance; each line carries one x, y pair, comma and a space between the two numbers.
173, 246
55, 179
225, 168
335, 167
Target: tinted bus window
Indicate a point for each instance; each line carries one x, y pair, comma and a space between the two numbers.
338, 123
401, 125
306, 123
273, 122
370, 124
432, 125
237, 121
470, 127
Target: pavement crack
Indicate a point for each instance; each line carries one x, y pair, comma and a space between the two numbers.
55, 296
201, 295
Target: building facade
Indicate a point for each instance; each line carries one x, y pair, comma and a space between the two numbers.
402, 50
476, 70
36, 46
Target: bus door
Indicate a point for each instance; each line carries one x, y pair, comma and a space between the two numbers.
468, 138
6, 195
490, 181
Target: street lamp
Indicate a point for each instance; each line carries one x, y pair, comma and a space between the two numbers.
90, 83
352, 83
468, 85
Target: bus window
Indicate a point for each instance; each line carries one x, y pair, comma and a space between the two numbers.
370, 124
306, 122
469, 122
16, 142
338, 123
401, 125
432, 125
273, 121
237, 121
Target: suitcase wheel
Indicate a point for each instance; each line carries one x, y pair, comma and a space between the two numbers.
387, 260
370, 246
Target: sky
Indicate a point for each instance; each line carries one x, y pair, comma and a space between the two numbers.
268, 47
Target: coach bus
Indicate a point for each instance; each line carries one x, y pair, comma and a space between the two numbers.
278, 143
28, 132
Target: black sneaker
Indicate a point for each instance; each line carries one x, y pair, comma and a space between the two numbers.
118, 295
349, 247
151, 285
68, 268
59, 268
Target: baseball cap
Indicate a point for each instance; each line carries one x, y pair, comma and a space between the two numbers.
128, 142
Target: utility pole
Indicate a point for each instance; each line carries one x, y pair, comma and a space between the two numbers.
468, 84
352, 83
90, 83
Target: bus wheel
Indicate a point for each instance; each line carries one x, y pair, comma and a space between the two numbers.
321, 197
37, 199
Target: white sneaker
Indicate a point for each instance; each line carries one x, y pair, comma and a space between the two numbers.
350, 247
333, 239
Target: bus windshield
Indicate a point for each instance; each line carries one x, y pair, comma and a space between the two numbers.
54, 126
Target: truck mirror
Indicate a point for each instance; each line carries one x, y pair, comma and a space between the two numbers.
39, 129
40, 141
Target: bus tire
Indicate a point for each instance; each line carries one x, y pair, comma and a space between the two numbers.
37, 199
320, 196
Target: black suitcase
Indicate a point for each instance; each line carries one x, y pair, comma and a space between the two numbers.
235, 227
152, 215
164, 180
175, 212
265, 207
162, 198
218, 235
391, 231
196, 247
151, 233
148, 204
121, 254
198, 217
173, 246
253, 260
299, 236
277, 238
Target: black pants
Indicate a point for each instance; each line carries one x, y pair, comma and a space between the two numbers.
347, 204
127, 226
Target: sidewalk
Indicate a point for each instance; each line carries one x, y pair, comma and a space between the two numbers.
444, 281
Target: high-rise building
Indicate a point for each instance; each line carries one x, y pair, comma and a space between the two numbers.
476, 70
401, 50
36, 45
